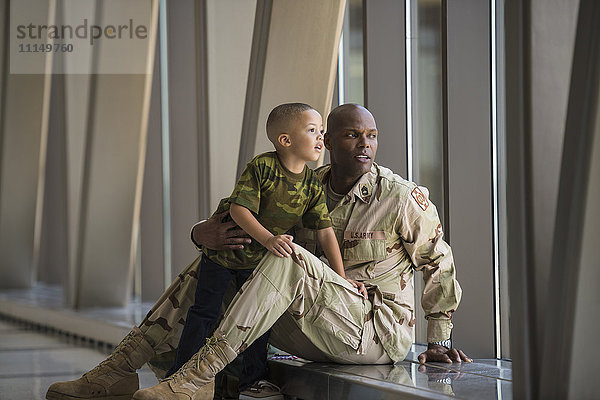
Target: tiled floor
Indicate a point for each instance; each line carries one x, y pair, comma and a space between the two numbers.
30, 361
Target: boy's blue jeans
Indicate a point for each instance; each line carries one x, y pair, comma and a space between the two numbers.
213, 281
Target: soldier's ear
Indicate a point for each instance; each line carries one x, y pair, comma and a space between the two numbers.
284, 139
327, 140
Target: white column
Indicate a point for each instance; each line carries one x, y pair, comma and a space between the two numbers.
25, 107
229, 27
113, 176
312, 28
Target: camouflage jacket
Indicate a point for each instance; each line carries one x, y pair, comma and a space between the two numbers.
387, 228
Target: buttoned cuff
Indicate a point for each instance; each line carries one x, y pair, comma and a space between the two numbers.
198, 246
438, 330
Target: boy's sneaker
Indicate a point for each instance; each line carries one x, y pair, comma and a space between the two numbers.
261, 390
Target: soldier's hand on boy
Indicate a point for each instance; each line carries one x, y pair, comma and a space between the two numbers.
281, 245
218, 235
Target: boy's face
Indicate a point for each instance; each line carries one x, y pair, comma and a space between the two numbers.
306, 135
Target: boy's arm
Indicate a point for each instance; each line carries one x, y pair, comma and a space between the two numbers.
331, 249
280, 245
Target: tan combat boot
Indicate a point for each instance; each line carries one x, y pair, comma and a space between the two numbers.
195, 379
114, 378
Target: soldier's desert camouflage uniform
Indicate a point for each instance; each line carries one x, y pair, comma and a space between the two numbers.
387, 229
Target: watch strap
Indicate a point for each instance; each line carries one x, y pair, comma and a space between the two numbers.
446, 343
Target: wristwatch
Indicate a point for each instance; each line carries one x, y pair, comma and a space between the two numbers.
446, 343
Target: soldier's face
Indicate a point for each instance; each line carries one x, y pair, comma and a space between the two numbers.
353, 142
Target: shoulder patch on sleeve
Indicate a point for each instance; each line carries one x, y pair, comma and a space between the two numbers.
420, 198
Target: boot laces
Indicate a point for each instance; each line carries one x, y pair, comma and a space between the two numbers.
117, 351
210, 347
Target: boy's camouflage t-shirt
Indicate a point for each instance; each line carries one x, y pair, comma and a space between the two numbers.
279, 199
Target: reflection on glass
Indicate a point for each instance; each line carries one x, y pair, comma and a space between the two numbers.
436, 379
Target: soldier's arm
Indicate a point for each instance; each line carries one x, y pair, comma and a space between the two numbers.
421, 231
218, 235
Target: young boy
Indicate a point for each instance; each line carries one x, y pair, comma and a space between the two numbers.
275, 192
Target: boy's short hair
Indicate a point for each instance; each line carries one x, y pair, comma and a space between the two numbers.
281, 116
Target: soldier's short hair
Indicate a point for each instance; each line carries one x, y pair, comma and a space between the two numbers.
280, 117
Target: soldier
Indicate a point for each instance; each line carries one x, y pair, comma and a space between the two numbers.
387, 229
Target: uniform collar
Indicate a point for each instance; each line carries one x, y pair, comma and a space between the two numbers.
362, 189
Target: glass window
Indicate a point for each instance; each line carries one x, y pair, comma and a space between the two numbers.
425, 47
428, 165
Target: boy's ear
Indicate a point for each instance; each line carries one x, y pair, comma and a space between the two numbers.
284, 140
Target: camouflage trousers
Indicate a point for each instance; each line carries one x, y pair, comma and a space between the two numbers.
313, 312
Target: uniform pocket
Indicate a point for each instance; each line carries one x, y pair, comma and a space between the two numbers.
364, 249
339, 312
343, 329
